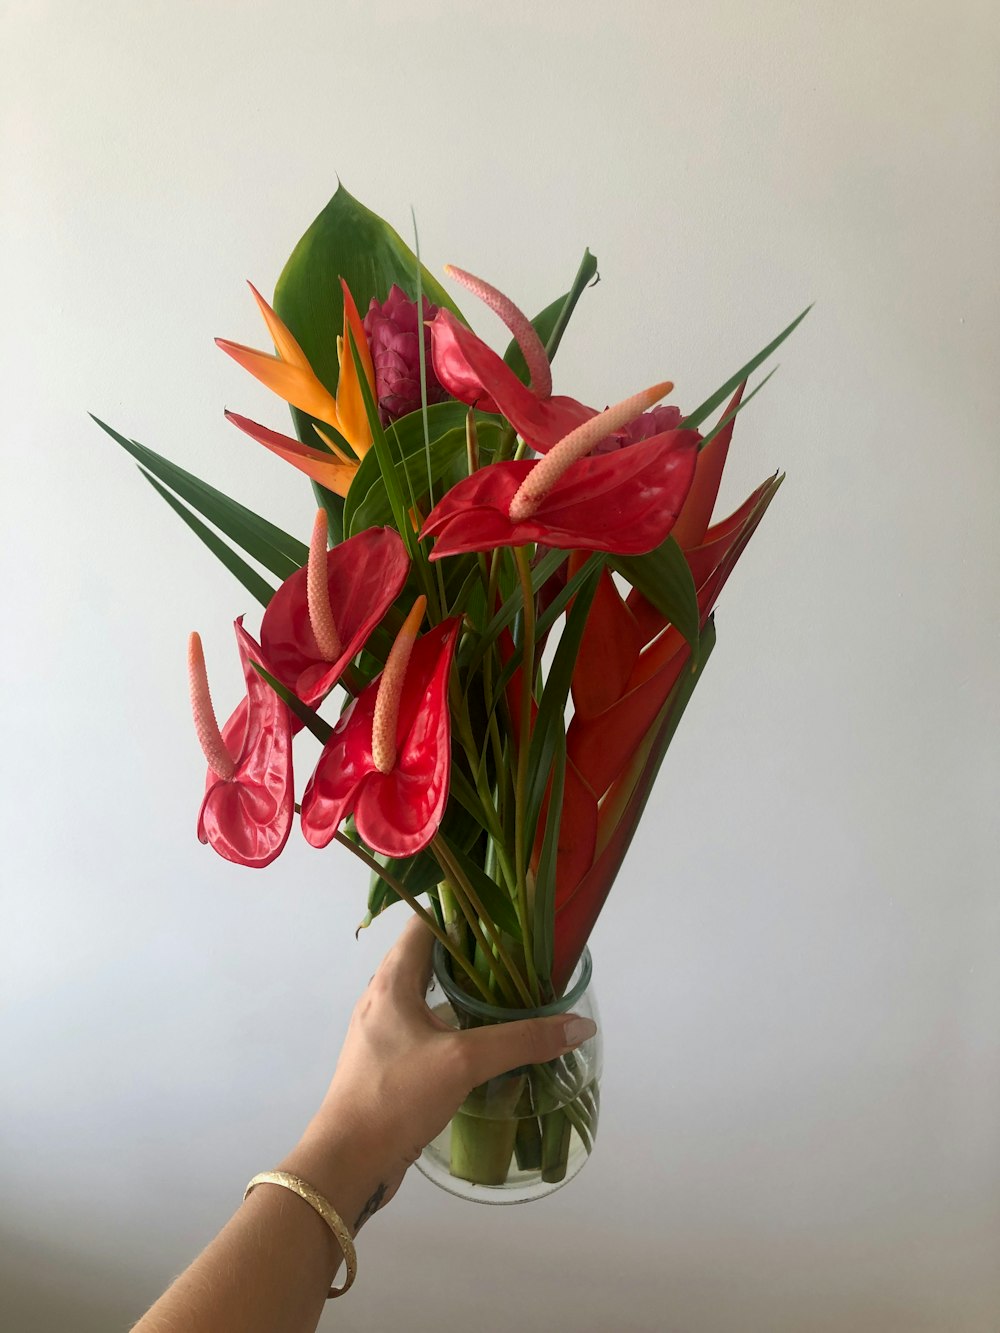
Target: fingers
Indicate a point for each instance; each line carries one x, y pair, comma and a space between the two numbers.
410, 960
493, 1050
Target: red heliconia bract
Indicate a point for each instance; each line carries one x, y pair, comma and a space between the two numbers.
364, 576
246, 813
395, 784
630, 660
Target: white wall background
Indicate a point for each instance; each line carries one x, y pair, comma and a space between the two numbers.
800, 968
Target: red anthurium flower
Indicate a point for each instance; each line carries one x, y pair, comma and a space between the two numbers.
319, 619
625, 501
389, 758
246, 812
473, 373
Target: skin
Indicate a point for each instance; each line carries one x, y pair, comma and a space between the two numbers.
401, 1075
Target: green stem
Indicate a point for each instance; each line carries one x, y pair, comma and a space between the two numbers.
521, 852
450, 865
420, 910
505, 448
460, 712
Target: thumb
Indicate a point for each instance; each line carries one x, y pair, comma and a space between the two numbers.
529, 1041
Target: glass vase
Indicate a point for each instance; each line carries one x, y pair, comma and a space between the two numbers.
525, 1134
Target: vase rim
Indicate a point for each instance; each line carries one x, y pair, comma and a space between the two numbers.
579, 981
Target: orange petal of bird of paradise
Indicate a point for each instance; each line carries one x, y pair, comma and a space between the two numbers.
325, 468
287, 371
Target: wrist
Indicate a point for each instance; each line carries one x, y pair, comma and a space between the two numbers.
344, 1166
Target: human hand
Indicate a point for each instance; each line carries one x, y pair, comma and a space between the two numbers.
402, 1074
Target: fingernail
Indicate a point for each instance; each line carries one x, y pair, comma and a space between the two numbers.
578, 1030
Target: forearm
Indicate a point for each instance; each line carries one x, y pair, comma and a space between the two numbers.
272, 1265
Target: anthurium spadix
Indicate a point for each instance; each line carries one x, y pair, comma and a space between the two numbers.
625, 501
389, 759
473, 373
246, 812
320, 618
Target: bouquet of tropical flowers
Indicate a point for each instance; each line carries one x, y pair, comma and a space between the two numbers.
493, 631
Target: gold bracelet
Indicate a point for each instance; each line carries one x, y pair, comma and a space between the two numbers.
326, 1211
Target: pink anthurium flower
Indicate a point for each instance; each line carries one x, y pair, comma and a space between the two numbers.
246, 812
624, 501
319, 619
389, 758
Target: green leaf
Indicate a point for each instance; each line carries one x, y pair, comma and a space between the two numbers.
714, 400
664, 579
509, 608
727, 417
418, 874
346, 241
422, 873
496, 901
255, 585
368, 504
550, 720
350, 241
550, 323
463, 792
275, 549
308, 716
542, 626
543, 931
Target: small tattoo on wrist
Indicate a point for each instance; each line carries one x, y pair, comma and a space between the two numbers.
371, 1207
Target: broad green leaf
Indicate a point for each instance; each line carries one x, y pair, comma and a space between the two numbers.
664, 579
550, 720
550, 323
714, 400
255, 585
275, 549
346, 241
368, 503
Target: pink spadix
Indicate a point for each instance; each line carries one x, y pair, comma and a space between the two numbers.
213, 747
576, 445
390, 690
318, 592
519, 324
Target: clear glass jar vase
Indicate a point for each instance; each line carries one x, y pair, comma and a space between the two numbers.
525, 1134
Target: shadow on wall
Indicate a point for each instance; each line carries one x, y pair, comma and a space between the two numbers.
47, 1289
